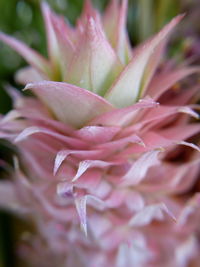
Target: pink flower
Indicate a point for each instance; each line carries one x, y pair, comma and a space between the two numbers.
102, 147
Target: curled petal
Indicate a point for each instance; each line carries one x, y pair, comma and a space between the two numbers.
81, 154
140, 167
86, 164
34, 130
150, 213
81, 203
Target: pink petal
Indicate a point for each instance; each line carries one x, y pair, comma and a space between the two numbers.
135, 253
81, 203
180, 182
155, 140
90, 180
180, 132
88, 11
82, 154
34, 130
60, 48
162, 115
135, 201
86, 164
136, 76
57, 214
97, 134
32, 57
163, 81
123, 116
117, 144
186, 97
94, 65
187, 251
65, 190
9, 199
114, 22
29, 74
10, 116
189, 111
65, 45
53, 48
190, 213
152, 140
70, 104
150, 213
188, 144
140, 167
115, 199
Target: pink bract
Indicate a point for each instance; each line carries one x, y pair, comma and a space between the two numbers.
102, 171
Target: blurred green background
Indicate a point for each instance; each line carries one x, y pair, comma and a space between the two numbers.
22, 19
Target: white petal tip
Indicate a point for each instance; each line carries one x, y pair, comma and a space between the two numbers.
84, 229
28, 86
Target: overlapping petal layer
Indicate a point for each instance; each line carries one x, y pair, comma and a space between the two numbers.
104, 179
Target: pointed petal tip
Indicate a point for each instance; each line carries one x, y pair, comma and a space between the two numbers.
26, 133
60, 157
178, 18
189, 111
36, 84
80, 204
84, 229
28, 86
141, 143
184, 143
182, 15
18, 139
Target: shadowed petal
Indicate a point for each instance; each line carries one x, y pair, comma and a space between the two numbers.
162, 82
